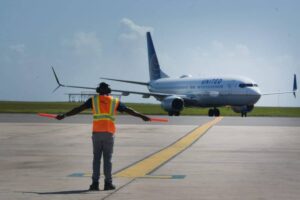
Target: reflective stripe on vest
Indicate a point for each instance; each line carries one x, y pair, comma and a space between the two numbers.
103, 117
104, 109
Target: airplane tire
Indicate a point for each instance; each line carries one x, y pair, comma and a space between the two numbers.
243, 114
170, 113
210, 112
216, 112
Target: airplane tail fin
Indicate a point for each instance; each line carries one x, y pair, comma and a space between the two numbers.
154, 68
295, 85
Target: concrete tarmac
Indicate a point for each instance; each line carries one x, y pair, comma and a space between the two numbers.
237, 158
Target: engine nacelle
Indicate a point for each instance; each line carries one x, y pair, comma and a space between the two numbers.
172, 103
242, 109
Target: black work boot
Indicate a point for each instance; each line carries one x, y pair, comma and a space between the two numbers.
109, 186
94, 186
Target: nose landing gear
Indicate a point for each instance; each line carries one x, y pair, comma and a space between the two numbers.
243, 114
214, 112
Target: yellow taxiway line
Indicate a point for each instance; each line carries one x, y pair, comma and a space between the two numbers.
149, 164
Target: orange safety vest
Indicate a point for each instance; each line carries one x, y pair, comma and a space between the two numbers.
104, 110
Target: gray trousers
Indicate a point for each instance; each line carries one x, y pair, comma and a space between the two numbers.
103, 144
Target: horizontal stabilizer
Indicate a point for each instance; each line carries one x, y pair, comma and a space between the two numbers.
126, 81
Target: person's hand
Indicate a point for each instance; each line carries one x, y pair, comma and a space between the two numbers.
145, 118
60, 116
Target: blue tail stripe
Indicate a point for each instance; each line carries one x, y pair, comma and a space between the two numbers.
154, 67
295, 83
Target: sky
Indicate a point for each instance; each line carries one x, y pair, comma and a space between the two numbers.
86, 40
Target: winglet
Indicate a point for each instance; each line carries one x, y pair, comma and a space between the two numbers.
295, 85
59, 84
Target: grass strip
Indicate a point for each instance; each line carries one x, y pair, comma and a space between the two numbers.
149, 109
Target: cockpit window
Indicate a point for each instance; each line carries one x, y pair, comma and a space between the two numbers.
243, 85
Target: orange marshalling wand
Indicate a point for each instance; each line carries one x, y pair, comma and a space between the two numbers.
47, 115
159, 120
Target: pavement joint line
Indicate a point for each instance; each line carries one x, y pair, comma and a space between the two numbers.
116, 190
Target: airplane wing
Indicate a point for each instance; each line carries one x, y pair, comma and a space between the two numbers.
70, 86
123, 92
273, 93
287, 92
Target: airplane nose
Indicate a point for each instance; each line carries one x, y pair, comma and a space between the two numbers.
256, 93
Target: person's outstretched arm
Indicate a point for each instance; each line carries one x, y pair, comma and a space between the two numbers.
75, 111
134, 113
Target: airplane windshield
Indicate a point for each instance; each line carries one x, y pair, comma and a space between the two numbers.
243, 85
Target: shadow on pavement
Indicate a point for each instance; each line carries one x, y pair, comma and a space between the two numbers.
60, 192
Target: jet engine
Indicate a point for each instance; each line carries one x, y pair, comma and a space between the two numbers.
173, 105
243, 109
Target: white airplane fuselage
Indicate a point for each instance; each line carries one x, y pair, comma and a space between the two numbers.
210, 92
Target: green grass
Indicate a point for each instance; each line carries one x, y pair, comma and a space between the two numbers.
150, 109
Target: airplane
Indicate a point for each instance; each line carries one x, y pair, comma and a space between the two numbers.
240, 93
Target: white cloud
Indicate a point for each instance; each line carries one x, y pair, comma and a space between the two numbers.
217, 49
85, 43
217, 45
16, 53
131, 50
18, 48
242, 49
285, 59
217, 56
132, 31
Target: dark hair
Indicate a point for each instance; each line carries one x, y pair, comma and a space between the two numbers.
103, 88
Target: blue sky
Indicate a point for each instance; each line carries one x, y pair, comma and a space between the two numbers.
85, 40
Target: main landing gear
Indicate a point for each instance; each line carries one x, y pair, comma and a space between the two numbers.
214, 112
